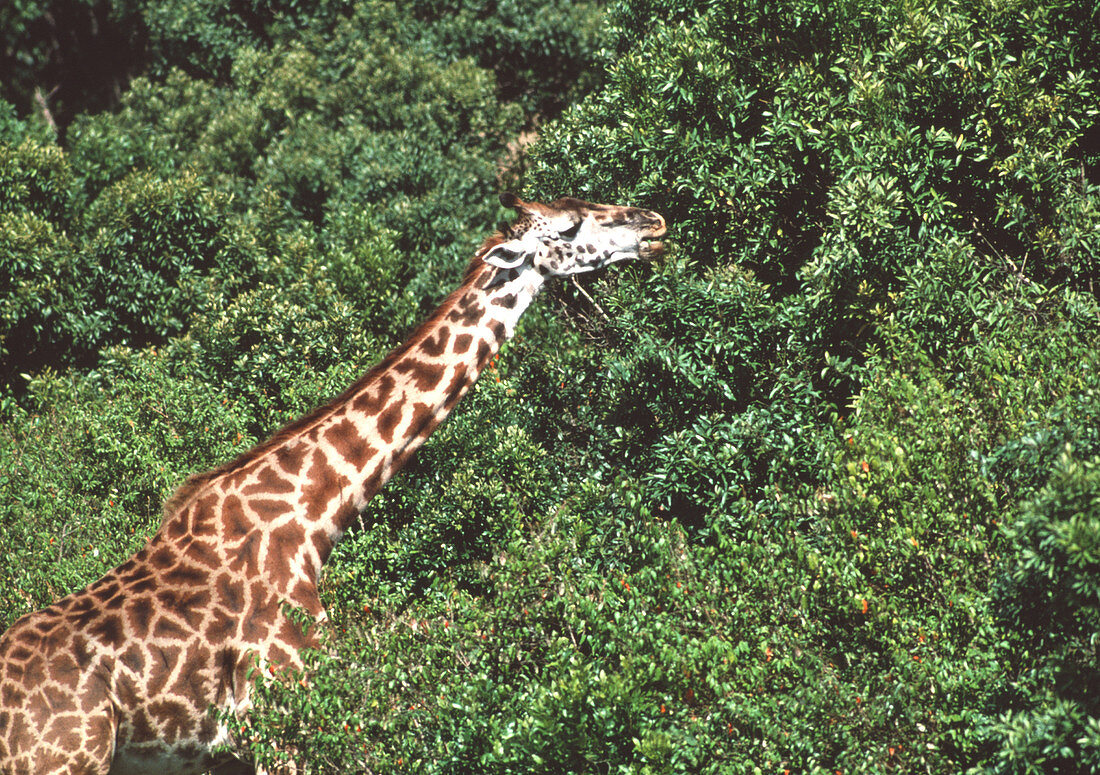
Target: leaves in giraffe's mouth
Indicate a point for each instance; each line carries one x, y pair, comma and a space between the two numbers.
649, 246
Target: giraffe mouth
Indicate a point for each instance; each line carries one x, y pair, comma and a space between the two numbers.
650, 248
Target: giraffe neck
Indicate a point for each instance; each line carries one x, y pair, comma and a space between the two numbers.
278, 510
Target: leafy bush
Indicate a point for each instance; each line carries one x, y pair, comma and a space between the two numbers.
153, 250
34, 311
839, 550
312, 111
794, 500
1048, 605
154, 247
37, 304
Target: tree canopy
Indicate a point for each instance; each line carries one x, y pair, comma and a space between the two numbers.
819, 493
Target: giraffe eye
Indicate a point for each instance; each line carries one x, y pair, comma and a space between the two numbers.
571, 232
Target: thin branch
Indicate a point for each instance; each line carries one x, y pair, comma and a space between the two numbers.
40, 100
590, 299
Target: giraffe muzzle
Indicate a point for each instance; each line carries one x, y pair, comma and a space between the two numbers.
649, 247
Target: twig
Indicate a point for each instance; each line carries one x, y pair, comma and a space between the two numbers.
590, 299
40, 99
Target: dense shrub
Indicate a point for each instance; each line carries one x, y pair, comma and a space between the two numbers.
65, 59
146, 213
313, 112
148, 254
882, 179
1048, 606
39, 304
543, 58
817, 494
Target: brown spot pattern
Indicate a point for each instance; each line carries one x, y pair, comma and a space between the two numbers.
388, 421
436, 344
345, 439
271, 482
425, 375
371, 400
235, 524
324, 484
462, 343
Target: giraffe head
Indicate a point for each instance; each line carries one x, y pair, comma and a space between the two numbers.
569, 236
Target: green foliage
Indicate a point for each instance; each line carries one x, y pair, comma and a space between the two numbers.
11, 128
838, 142
321, 117
152, 253
322, 112
205, 37
1048, 604
154, 247
543, 58
36, 258
817, 494
35, 178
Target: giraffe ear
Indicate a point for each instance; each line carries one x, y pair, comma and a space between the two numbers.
506, 255
508, 199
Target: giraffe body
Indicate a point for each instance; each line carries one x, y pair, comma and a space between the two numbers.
126, 675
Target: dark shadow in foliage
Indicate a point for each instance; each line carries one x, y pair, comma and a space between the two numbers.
542, 57
799, 212
68, 57
1085, 148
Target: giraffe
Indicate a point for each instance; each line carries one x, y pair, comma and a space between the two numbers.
124, 676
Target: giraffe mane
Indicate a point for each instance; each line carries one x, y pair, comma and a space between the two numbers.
194, 483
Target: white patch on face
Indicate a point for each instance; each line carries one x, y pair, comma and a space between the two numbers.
609, 244
565, 223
